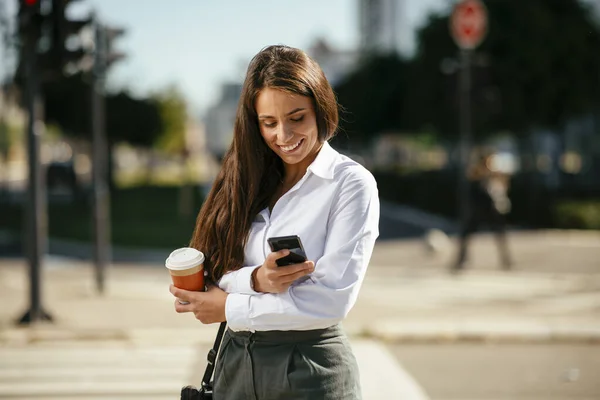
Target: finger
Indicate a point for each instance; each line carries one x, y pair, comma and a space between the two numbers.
274, 256
288, 279
182, 308
306, 267
181, 294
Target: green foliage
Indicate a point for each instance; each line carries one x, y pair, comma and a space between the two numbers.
544, 62
141, 217
173, 112
9, 135
577, 214
68, 105
135, 121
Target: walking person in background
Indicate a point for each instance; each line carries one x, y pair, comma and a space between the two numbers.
489, 203
279, 178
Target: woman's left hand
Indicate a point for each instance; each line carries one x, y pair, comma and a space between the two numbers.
208, 307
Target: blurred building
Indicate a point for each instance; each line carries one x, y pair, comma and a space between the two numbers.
203, 165
383, 26
335, 63
220, 118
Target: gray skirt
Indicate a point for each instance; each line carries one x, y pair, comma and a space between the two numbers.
290, 365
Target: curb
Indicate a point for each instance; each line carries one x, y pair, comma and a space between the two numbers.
386, 332
417, 217
497, 332
156, 336
84, 251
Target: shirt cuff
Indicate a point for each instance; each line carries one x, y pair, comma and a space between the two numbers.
243, 280
237, 311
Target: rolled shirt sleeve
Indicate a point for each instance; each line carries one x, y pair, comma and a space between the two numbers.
332, 290
239, 281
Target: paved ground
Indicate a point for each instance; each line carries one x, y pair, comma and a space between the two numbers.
408, 298
552, 293
515, 371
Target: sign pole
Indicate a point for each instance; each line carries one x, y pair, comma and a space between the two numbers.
465, 135
102, 248
468, 27
36, 204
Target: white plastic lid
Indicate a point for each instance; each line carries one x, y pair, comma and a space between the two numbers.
184, 258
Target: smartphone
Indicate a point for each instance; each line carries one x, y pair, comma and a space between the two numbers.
293, 244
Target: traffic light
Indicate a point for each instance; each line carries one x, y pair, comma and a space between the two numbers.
110, 55
67, 48
30, 19
105, 54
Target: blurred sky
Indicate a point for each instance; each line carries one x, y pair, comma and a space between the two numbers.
198, 44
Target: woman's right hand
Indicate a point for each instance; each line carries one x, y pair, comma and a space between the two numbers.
269, 278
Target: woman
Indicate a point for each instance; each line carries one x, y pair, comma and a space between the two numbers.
489, 203
280, 177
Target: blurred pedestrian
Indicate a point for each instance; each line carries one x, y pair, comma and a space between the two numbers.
489, 204
281, 177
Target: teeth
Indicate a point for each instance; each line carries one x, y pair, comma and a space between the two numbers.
290, 148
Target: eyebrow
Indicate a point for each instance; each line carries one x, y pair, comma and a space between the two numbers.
294, 111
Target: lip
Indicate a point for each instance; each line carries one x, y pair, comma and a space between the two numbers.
301, 142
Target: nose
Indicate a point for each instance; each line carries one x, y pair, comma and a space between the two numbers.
284, 133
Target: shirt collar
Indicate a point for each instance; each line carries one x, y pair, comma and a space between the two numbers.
323, 164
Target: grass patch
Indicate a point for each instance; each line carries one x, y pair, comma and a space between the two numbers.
146, 217
584, 214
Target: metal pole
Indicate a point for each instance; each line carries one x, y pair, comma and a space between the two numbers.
102, 251
36, 210
465, 134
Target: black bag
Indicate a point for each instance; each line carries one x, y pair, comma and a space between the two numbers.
206, 389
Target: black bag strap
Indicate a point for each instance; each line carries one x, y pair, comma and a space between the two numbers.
212, 356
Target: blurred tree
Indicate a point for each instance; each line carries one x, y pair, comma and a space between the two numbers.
135, 121
372, 98
538, 67
173, 112
68, 104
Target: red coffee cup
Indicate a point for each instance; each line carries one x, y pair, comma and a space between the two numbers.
186, 266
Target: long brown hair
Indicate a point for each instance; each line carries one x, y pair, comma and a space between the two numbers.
251, 171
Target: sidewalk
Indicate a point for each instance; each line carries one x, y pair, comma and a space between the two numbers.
408, 295
552, 294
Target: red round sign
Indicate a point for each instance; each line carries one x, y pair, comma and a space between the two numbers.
468, 23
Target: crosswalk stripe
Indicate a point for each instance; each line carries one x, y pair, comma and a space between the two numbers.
29, 390
121, 372
37, 374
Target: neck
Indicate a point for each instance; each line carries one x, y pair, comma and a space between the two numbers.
294, 172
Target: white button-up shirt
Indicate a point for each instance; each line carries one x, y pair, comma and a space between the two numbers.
334, 209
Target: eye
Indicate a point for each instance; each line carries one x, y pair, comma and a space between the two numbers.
300, 118
269, 124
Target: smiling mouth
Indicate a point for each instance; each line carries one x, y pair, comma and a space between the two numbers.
292, 148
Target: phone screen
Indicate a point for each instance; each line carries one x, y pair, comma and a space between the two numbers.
293, 244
